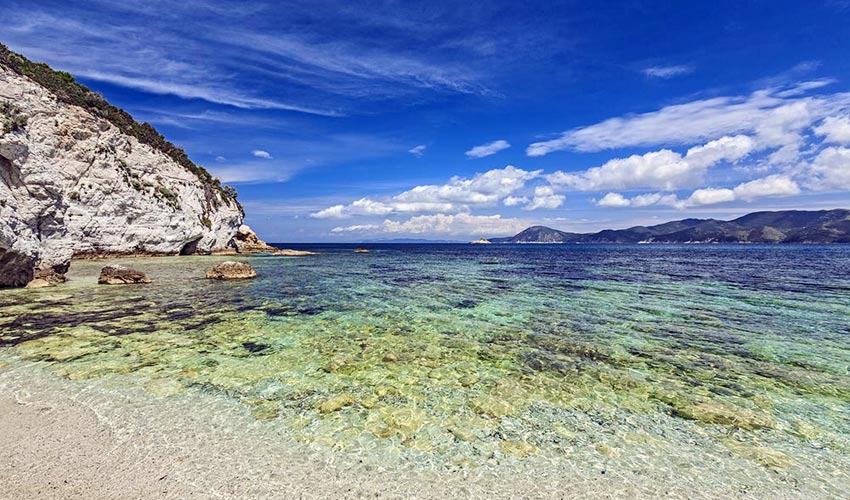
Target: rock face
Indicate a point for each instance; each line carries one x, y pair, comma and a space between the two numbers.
231, 271
73, 184
120, 275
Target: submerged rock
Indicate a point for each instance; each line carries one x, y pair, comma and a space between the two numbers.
46, 277
491, 406
713, 412
386, 422
120, 275
231, 270
337, 402
768, 457
517, 448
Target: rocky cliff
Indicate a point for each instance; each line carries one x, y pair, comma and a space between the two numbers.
72, 183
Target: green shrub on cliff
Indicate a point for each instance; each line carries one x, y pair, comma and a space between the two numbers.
11, 118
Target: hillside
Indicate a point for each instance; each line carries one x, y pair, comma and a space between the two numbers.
790, 226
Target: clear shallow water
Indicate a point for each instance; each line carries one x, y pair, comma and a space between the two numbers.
721, 365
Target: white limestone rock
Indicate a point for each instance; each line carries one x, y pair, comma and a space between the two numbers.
73, 184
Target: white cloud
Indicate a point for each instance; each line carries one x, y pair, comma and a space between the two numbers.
259, 153
488, 149
830, 169
773, 185
254, 172
724, 149
459, 194
545, 197
667, 71
450, 224
836, 129
708, 196
771, 117
614, 200
662, 169
417, 150
196, 90
511, 201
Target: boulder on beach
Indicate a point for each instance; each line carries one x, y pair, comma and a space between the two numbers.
231, 271
120, 275
287, 252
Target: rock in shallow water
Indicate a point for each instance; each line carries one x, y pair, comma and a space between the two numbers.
517, 448
337, 402
120, 275
288, 252
714, 412
46, 277
231, 271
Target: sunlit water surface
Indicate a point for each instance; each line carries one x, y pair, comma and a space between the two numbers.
726, 366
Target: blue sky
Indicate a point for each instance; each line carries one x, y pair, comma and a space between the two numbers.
341, 121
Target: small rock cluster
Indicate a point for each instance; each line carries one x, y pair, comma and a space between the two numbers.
121, 275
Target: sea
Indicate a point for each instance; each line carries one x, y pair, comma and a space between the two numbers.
687, 368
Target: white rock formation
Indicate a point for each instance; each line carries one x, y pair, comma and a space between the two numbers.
73, 184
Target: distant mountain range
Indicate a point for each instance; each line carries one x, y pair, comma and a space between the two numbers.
789, 226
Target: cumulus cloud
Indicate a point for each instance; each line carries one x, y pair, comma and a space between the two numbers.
664, 169
417, 150
772, 185
511, 201
830, 169
836, 129
667, 71
450, 224
614, 200
772, 117
545, 197
459, 194
708, 196
259, 153
488, 149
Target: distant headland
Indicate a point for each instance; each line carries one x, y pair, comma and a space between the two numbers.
787, 226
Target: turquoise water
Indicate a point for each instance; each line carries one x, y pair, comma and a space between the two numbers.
717, 363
